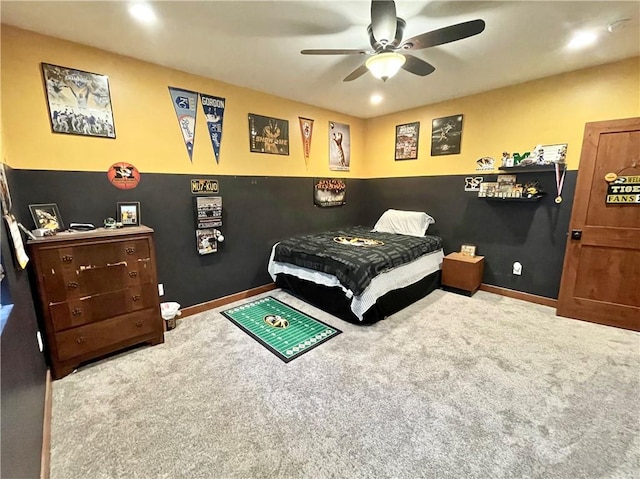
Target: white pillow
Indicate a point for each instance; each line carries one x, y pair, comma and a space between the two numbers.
413, 223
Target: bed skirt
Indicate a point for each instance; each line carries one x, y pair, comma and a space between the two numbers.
333, 300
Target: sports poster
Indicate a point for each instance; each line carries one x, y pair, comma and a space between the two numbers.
79, 102
206, 241
213, 107
407, 141
329, 192
446, 135
268, 135
339, 146
306, 130
184, 102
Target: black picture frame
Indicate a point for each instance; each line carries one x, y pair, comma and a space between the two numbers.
46, 216
446, 135
208, 211
79, 102
129, 213
268, 135
407, 138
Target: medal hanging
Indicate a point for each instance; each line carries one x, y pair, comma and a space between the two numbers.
559, 182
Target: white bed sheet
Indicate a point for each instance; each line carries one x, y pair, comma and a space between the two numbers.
395, 278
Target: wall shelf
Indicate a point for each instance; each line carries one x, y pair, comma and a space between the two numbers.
521, 200
530, 169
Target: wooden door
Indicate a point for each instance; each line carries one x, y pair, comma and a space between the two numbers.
601, 272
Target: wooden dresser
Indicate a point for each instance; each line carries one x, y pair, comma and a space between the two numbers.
98, 293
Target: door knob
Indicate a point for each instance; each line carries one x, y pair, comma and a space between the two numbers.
576, 234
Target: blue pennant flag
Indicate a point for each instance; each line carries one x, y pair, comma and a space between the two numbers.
213, 107
184, 102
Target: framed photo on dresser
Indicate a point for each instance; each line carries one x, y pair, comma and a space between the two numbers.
129, 213
46, 216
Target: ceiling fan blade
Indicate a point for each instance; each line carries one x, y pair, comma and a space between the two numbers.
335, 52
383, 20
444, 35
357, 73
417, 66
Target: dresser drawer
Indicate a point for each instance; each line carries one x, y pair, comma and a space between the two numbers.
93, 337
89, 309
55, 260
141, 271
85, 282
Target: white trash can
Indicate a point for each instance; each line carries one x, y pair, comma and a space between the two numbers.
169, 312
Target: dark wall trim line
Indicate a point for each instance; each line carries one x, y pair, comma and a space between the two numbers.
232, 298
45, 460
532, 298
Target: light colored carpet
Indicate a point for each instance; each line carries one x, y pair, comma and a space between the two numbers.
451, 387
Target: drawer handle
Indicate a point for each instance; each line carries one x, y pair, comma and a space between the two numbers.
136, 297
130, 250
76, 312
67, 258
81, 340
139, 323
72, 284
133, 274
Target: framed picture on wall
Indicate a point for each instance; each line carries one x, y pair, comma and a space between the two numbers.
268, 135
339, 146
129, 213
47, 216
446, 135
407, 141
329, 192
79, 102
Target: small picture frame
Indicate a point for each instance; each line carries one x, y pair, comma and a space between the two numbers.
468, 250
46, 216
129, 213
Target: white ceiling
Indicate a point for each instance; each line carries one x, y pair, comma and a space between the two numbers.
256, 44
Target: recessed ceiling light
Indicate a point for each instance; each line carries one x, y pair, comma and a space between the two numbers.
376, 99
142, 12
582, 40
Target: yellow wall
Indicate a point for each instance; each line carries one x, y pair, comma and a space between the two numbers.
147, 132
514, 119
547, 111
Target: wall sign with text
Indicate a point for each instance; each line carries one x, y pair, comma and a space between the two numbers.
624, 190
204, 186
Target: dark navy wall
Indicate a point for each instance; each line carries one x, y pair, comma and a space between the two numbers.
23, 369
257, 212
504, 232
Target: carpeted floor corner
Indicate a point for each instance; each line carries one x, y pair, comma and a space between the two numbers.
451, 387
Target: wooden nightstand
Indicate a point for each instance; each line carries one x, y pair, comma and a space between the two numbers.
462, 272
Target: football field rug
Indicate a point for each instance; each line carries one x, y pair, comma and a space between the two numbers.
283, 330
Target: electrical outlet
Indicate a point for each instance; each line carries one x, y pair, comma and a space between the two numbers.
517, 268
160, 289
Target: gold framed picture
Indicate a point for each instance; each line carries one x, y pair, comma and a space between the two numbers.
468, 250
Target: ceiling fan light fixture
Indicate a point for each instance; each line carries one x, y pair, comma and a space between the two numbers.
385, 65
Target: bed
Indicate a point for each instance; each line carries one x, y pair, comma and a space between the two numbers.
359, 274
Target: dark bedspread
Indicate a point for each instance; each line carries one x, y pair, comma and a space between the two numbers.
353, 263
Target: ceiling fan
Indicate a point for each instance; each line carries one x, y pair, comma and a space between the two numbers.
390, 53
